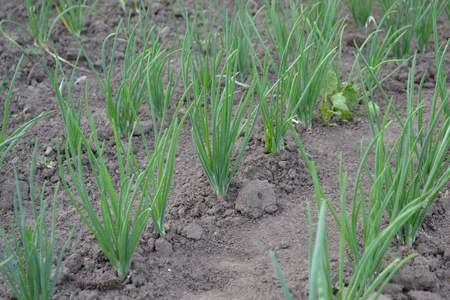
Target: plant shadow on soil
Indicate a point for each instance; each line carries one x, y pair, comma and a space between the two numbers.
214, 248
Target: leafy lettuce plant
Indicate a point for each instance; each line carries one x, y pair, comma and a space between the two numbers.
29, 272
339, 104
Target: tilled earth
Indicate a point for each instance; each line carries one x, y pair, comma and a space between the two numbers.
214, 248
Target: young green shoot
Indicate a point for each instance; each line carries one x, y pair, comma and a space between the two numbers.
30, 273
420, 167
418, 15
141, 75
8, 142
235, 28
219, 124
124, 208
39, 20
70, 110
361, 11
74, 14
365, 257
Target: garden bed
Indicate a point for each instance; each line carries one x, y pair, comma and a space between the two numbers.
214, 247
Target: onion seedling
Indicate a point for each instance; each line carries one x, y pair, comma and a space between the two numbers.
70, 110
8, 142
365, 257
420, 166
418, 159
419, 14
217, 124
360, 10
281, 28
123, 5
40, 26
142, 69
203, 41
39, 20
234, 27
126, 208
29, 272
72, 14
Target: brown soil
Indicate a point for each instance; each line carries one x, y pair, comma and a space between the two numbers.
212, 250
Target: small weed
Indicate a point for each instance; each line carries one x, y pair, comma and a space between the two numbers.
42, 161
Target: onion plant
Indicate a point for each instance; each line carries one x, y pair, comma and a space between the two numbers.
132, 89
217, 124
124, 208
234, 26
39, 21
366, 256
299, 82
378, 49
30, 273
159, 68
420, 166
280, 102
8, 142
424, 29
142, 74
123, 5
360, 10
74, 14
448, 10
40, 26
71, 110
324, 13
359, 286
440, 51
282, 27
277, 111
420, 15
276, 104
285, 288
202, 40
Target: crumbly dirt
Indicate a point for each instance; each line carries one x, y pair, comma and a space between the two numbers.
215, 248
